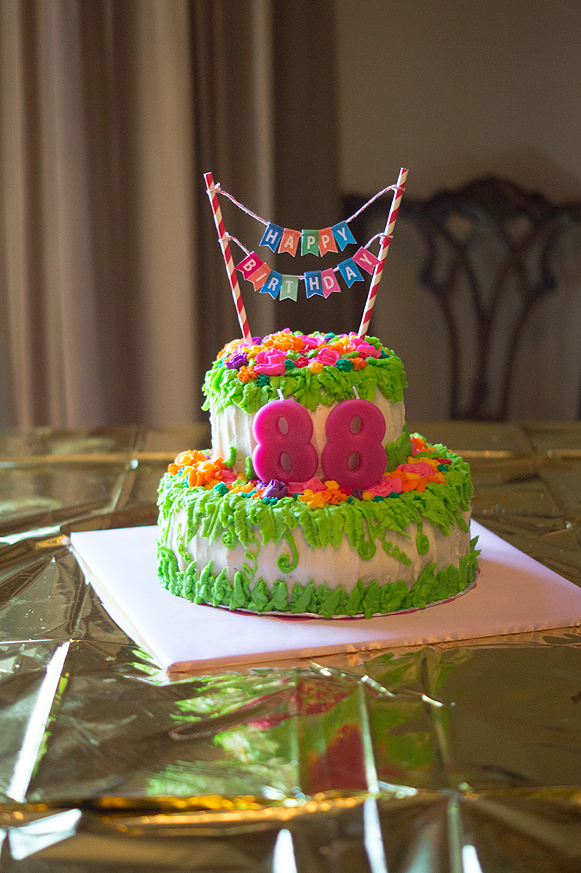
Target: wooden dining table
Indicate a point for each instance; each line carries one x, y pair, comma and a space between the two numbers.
460, 755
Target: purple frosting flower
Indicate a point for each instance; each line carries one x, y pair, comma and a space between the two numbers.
236, 361
275, 488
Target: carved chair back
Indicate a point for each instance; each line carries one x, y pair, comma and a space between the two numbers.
489, 248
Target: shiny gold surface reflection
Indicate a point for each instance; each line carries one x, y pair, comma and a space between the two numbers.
449, 757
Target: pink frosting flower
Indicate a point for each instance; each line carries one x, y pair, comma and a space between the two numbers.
228, 475
364, 349
420, 468
271, 362
327, 357
313, 484
310, 342
386, 486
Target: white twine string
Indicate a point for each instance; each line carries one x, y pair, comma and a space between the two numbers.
252, 214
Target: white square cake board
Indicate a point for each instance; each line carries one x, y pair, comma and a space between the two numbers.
514, 593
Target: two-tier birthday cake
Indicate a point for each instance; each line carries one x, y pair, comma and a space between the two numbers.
314, 499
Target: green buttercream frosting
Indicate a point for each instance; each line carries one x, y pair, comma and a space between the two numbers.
365, 599
224, 387
240, 518
398, 450
237, 517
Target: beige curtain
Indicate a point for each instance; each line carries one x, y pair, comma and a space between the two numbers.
113, 296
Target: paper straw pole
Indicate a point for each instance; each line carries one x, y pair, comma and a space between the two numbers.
230, 269
385, 241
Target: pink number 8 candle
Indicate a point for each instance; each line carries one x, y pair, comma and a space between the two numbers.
354, 459
283, 430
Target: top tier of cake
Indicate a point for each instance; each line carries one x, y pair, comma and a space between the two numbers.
319, 371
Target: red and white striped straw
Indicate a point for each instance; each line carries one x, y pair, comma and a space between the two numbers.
385, 241
230, 268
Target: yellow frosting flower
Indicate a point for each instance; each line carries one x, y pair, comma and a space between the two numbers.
314, 499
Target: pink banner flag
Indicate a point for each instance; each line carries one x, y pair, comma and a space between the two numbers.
250, 264
366, 260
330, 283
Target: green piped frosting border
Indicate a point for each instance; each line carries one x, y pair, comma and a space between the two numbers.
237, 518
367, 600
223, 388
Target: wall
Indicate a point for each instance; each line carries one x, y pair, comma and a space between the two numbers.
453, 90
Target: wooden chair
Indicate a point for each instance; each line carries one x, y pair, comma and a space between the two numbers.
489, 248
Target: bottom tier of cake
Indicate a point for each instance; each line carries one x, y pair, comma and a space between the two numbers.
320, 552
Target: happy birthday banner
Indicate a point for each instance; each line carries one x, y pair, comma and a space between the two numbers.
278, 239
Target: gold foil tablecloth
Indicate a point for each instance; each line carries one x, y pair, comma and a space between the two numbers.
460, 757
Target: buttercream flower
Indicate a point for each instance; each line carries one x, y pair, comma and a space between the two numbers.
313, 485
364, 349
228, 474
418, 444
187, 458
334, 494
310, 342
236, 361
244, 487
388, 485
302, 361
315, 499
206, 473
275, 488
342, 345
245, 374
283, 340
327, 356
270, 362
229, 347
422, 468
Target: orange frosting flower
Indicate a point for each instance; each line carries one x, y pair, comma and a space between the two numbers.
334, 494
206, 473
185, 460
359, 363
418, 444
245, 374
229, 347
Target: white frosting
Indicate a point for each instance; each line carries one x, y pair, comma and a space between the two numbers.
332, 565
232, 426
